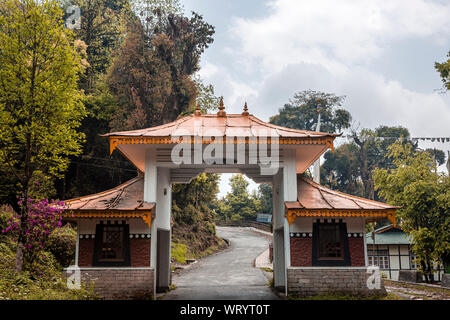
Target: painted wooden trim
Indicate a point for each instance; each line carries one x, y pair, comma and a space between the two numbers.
114, 141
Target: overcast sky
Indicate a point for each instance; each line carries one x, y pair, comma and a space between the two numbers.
379, 54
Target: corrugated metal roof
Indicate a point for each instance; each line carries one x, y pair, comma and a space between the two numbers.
388, 235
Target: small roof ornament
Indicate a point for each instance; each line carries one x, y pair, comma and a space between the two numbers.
245, 113
221, 112
197, 111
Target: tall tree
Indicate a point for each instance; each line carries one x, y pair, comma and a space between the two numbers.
301, 112
40, 103
350, 168
239, 204
265, 198
102, 28
152, 72
425, 199
444, 71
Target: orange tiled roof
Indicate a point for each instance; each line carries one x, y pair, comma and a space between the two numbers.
123, 201
316, 200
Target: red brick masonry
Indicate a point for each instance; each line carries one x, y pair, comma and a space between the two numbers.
356, 247
301, 252
140, 252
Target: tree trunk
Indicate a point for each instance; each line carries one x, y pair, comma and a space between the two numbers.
19, 257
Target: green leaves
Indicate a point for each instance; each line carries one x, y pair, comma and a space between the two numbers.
301, 112
40, 104
425, 199
444, 71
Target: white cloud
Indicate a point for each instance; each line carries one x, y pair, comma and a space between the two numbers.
336, 33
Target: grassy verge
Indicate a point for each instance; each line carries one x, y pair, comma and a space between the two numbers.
41, 281
444, 291
343, 296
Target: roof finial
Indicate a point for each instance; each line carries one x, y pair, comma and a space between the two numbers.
245, 113
197, 111
221, 112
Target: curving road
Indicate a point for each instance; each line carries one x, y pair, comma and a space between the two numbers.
228, 275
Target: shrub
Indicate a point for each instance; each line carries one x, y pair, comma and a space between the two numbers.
61, 244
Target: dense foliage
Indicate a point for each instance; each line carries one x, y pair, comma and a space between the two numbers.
40, 102
444, 70
301, 112
425, 199
238, 204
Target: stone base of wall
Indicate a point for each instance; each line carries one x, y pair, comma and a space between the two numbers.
445, 280
119, 283
309, 281
410, 276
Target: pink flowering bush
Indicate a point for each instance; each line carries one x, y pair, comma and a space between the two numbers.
43, 217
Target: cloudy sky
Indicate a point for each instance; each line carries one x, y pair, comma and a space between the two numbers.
379, 54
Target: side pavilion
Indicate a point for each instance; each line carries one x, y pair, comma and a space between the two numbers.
124, 234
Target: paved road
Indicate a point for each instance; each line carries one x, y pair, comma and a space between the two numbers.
229, 275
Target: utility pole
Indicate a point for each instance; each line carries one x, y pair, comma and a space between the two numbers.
316, 171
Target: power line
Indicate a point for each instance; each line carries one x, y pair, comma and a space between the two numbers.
100, 166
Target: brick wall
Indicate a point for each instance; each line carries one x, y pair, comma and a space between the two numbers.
140, 252
86, 252
301, 252
356, 248
119, 283
317, 280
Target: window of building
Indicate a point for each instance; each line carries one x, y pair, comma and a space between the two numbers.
330, 244
379, 258
112, 245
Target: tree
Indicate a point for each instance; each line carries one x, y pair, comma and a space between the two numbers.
351, 166
101, 30
425, 199
40, 104
301, 112
444, 71
151, 75
265, 198
239, 204
340, 170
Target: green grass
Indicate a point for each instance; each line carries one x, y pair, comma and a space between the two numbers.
43, 280
178, 252
420, 287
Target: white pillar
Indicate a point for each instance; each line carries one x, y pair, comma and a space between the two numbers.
77, 245
150, 180
366, 257
162, 224
289, 194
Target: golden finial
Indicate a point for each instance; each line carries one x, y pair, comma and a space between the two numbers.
197, 111
221, 112
245, 113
